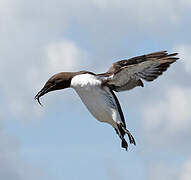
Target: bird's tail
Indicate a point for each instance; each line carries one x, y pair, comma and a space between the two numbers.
121, 131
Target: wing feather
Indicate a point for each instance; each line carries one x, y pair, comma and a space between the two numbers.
147, 67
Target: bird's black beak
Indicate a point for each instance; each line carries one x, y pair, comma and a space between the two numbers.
42, 92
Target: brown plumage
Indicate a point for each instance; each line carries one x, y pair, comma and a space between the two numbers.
127, 74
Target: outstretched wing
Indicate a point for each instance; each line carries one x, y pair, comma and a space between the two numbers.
127, 74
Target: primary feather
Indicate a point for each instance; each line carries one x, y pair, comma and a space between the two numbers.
127, 74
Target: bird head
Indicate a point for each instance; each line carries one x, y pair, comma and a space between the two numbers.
57, 82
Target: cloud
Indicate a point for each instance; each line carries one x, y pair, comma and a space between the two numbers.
28, 57
185, 54
65, 56
124, 16
17, 89
168, 171
135, 10
37, 47
172, 110
167, 120
163, 171
39, 39
11, 164
185, 173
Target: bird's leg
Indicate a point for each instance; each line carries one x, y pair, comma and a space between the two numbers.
131, 138
123, 141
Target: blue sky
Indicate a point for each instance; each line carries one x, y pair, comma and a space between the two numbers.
62, 140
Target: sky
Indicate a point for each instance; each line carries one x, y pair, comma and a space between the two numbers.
61, 140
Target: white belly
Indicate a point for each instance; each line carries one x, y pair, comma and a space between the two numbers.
98, 100
97, 104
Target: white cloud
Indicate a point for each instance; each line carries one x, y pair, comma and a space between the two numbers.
185, 55
170, 171
167, 120
158, 171
23, 58
7, 7
145, 13
186, 3
11, 164
172, 109
22, 82
185, 173
31, 51
65, 56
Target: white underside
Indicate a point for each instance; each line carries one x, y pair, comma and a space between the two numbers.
98, 100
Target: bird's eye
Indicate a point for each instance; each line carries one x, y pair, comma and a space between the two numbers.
52, 82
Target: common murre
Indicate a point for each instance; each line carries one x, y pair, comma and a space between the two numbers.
96, 90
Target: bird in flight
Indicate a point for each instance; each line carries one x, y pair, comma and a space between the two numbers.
97, 90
